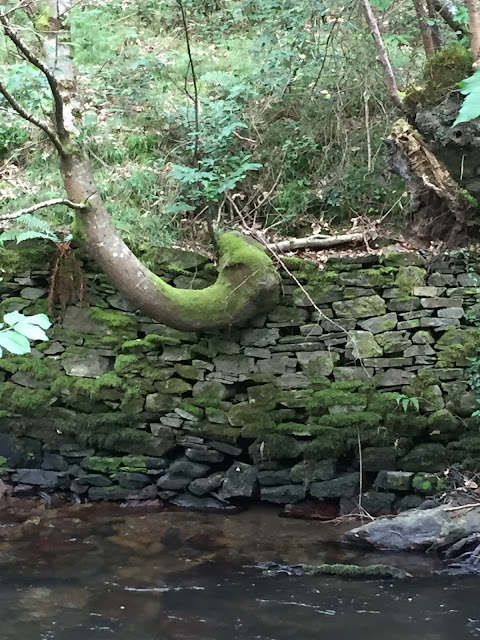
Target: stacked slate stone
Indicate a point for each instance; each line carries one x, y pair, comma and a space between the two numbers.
361, 370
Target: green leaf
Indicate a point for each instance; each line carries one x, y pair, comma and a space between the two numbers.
40, 319
13, 317
31, 331
415, 403
405, 402
14, 342
470, 87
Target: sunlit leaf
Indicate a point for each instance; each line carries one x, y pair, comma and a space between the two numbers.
470, 87
14, 342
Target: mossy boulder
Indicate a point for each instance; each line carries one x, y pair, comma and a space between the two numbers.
428, 483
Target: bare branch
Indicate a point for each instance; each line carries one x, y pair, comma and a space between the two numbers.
41, 124
316, 242
382, 56
78, 206
41, 66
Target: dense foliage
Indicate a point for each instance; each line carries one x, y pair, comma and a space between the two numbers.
291, 113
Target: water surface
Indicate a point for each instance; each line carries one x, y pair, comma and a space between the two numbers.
89, 573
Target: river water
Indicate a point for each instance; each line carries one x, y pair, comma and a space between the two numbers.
91, 572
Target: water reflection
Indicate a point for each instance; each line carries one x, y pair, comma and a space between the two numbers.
100, 572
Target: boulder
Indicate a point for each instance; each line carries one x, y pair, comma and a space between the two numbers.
240, 481
284, 494
417, 529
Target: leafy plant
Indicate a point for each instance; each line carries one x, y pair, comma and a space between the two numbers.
31, 228
470, 87
407, 401
17, 330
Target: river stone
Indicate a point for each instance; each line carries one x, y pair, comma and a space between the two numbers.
360, 308
453, 312
78, 319
409, 277
320, 363
423, 337
352, 373
188, 468
293, 381
277, 365
132, 479
229, 449
394, 341
393, 378
409, 502
161, 402
234, 365
343, 486
37, 477
86, 365
437, 303
308, 471
394, 480
418, 529
285, 494
204, 454
11, 448
201, 503
176, 354
240, 481
404, 306
28, 380
377, 458
259, 337
54, 462
431, 456
93, 480
274, 477
108, 493
439, 323
379, 324
202, 486
363, 345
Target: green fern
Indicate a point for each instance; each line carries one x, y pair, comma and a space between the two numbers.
30, 228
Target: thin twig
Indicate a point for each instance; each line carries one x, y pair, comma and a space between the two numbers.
41, 66
41, 124
382, 56
78, 206
195, 98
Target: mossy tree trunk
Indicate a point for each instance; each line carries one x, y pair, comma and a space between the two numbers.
247, 283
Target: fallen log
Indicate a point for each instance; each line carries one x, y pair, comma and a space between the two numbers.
318, 242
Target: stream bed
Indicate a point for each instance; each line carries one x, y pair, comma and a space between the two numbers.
88, 572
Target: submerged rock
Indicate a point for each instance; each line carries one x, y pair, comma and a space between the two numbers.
418, 529
355, 571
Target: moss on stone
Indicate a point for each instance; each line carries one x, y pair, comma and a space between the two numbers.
456, 345
39, 368
407, 279
14, 397
442, 72
244, 268
151, 342
13, 261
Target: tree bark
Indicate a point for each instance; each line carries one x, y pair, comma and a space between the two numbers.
423, 17
473, 7
247, 283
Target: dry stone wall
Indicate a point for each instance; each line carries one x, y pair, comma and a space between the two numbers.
375, 378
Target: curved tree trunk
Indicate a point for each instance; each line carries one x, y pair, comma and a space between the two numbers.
247, 283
